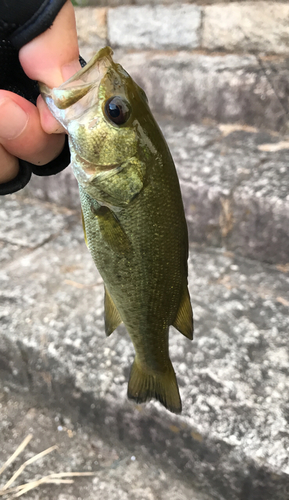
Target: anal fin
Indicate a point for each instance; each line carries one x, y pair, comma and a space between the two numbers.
184, 319
163, 387
111, 315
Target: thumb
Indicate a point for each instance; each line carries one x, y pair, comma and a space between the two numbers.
52, 57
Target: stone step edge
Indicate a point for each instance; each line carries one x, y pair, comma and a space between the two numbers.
116, 420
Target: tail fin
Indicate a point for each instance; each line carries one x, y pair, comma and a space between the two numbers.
161, 386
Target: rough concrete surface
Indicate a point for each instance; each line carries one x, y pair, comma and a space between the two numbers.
119, 474
238, 27
203, 3
247, 26
232, 440
225, 88
91, 24
235, 194
155, 27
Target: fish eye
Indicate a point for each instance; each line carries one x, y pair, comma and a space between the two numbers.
117, 110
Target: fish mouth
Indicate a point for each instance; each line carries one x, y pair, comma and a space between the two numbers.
81, 82
71, 99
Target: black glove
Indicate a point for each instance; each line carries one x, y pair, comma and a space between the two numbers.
20, 22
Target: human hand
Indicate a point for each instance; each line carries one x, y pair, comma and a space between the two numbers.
26, 131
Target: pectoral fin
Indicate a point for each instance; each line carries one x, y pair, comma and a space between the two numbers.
111, 315
84, 231
112, 231
184, 318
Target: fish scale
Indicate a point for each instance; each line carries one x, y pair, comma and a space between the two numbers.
133, 216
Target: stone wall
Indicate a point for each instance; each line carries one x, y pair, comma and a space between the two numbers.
240, 27
226, 62
117, 3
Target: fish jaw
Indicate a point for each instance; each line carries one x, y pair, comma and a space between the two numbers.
72, 98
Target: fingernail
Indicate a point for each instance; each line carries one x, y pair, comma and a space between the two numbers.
13, 119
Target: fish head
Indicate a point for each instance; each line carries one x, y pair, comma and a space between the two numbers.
101, 108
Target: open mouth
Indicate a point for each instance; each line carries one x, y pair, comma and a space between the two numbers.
71, 100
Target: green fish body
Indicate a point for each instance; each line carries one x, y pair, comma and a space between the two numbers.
133, 216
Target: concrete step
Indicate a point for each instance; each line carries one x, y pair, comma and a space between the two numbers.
226, 63
235, 185
232, 439
225, 88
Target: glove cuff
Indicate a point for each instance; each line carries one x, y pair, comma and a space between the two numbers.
41, 20
26, 169
19, 182
55, 166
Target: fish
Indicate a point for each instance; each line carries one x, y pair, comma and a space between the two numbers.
133, 216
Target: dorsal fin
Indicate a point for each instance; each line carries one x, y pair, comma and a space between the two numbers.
111, 315
184, 317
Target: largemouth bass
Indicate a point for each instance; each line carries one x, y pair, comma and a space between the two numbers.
133, 216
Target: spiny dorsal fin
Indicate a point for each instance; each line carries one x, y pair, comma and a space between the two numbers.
184, 318
163, 387
111, 315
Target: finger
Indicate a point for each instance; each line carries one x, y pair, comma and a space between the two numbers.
49, 124
9, 166
21, 133
52, 58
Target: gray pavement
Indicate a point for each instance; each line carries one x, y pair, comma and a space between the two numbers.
232, 440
